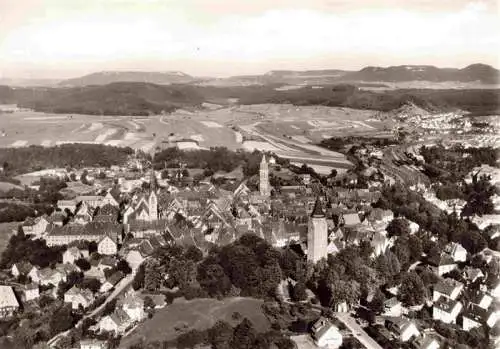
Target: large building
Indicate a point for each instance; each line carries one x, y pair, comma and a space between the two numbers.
264, 186
317, 234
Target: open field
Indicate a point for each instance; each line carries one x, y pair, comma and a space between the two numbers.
6, 186
287, 130
197, 314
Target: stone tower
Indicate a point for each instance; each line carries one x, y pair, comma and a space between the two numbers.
264, 186
153, 199
317, 234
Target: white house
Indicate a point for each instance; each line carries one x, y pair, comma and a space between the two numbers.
107, 246
134, 258
31, 292
426, 342
118, 322
72, 254
446, 310
475, 316
111, 281
8, 301
325, 334
392, 307
133, 305
49, 276
402, 328
456, 251
93, 344
78, 297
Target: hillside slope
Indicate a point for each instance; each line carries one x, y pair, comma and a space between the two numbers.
108, 77
121, 98
473, 73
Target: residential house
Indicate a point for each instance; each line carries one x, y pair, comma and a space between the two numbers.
475, 316
78, 297
118, 322
49, 276
36, 227
444, 265
472, 274
72, 254
67, 204
107, 246
21, 268
480, 298
31, 291
133, 305
93, 344
393, 307
111, 281
403, 328
112, 197
446, 310
8, 301
456, 251
106, 262
325, 334
426, 342
34, 275
448, 288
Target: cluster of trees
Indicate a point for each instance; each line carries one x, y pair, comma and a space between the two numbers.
21, 249
212, 160
223, 336
341, 143
447, 165
447, 227
33, 158
11, 212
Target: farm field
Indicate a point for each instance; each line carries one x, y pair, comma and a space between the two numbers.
287, 130
196, 314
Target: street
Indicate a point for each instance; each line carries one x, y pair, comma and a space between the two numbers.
357, 331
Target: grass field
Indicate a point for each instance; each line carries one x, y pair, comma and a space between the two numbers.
197, 314
6, 186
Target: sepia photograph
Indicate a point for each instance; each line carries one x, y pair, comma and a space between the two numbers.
249, 174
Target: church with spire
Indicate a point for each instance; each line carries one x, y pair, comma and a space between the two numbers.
317, 234
146, 207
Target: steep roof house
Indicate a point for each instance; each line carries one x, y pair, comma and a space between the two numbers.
325, 334
78, 297
8, 301
403, 328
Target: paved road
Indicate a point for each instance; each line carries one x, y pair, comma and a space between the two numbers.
126, 281
357, 331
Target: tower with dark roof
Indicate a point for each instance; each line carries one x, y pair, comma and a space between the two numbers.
153, 199
317, 233
264, 186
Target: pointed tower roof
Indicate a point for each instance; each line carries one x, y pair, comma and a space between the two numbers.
318, 211
152, 176
264, 160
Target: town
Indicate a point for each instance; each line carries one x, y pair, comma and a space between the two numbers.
357, 260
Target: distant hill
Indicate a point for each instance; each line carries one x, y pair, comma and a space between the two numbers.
28, 82
120, 98
108, 77
473, 73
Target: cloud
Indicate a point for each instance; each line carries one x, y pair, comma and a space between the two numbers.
124, 30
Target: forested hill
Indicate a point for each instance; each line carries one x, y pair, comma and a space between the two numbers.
135, 98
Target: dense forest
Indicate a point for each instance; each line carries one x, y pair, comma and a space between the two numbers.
340, 143
134, 98
32, 158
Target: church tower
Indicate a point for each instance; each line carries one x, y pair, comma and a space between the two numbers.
317, 234
264, 186
153, 199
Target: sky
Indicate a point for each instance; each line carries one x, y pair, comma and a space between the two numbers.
66, 38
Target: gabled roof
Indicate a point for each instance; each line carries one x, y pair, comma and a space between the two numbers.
23, 267
446, 304
113, 279
7, 297
447, 286
119, 317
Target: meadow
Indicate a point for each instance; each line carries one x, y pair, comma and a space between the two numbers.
200, 314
